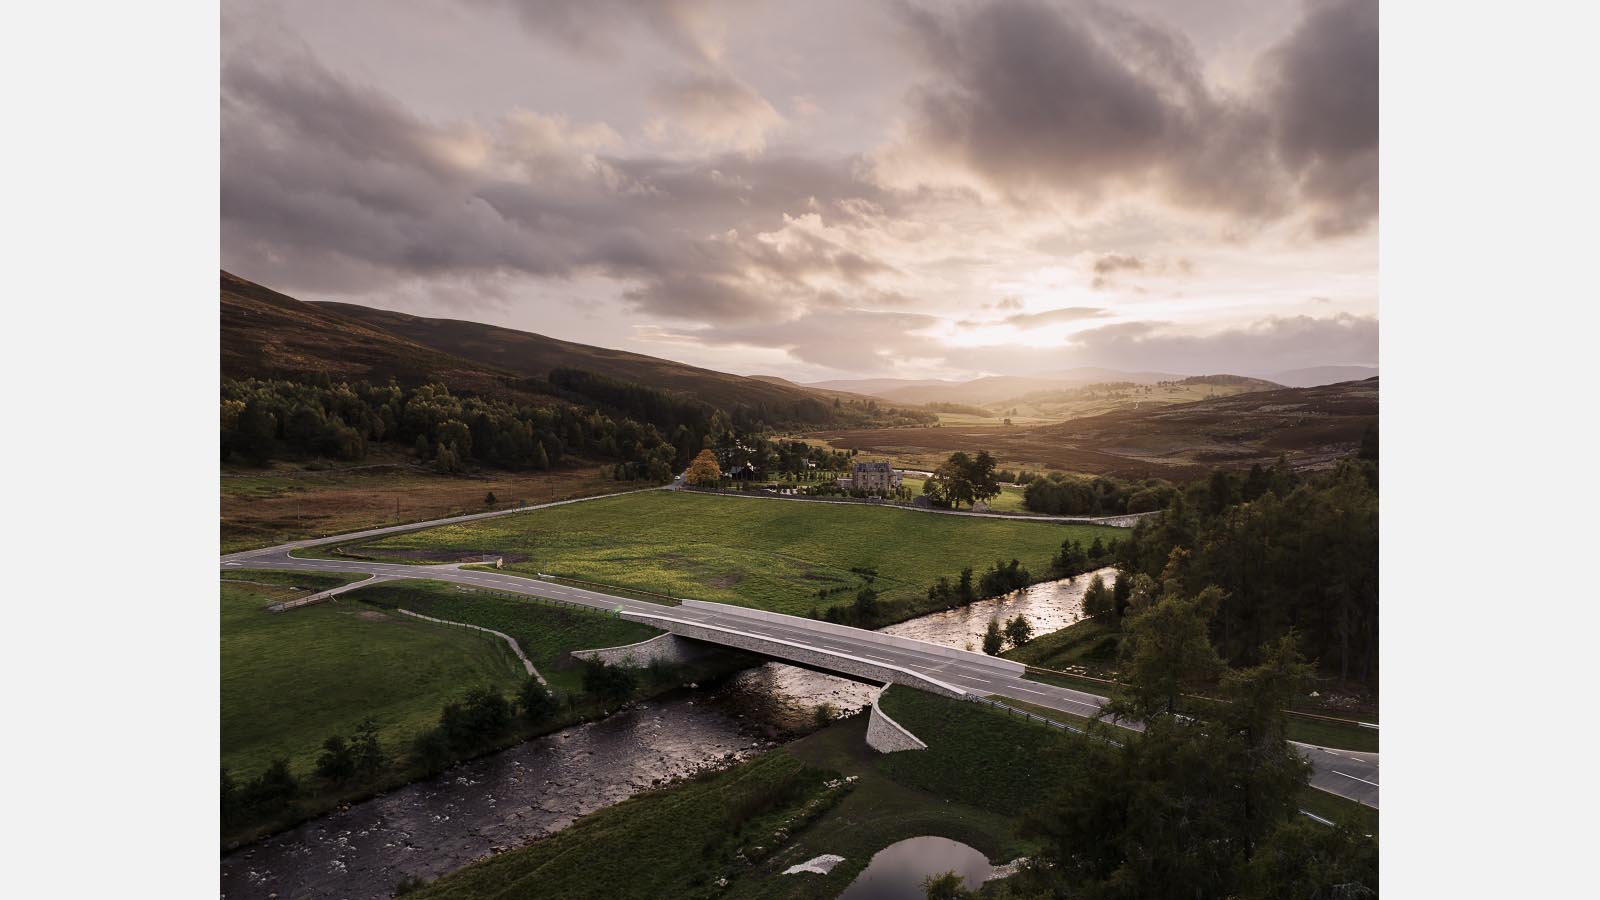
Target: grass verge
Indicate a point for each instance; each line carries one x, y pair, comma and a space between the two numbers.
546, 631
1340, 809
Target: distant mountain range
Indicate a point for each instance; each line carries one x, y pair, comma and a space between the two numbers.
993, 389
1314, 426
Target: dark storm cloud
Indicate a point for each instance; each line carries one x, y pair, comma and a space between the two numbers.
330, 186
1081, 100
1325, 104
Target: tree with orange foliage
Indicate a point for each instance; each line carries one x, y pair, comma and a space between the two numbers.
704, 471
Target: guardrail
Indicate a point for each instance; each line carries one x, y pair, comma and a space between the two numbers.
1027, 715
1299, 714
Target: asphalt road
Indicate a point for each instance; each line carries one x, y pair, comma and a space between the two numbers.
1346, 773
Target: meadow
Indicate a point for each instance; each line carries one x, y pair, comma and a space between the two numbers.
1009, 500
770, 554
291, 680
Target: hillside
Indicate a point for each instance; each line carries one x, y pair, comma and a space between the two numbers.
1312, 425
266, 334
534, 355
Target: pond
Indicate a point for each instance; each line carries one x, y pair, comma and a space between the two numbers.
897, 871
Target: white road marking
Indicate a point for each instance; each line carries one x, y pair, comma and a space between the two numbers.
1348, 775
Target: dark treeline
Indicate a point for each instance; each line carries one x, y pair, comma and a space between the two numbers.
645, 432
263, 420
1289, 551
1067, 495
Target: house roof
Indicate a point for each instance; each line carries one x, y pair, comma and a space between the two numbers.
873, 467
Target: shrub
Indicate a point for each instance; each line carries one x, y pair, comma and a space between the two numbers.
484, 714
432, 750
610, 684
536, 701
337, 762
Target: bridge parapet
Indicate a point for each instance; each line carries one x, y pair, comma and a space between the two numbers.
832, 660
1010, 667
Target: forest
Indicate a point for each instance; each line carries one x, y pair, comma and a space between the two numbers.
1289, 552
263, 420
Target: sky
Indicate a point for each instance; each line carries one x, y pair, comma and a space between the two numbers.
823, 190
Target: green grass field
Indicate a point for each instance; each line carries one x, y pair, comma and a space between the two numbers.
1087, 646
1008, 501
877, 812
1036, 758
291, 680
770, 554
545, 631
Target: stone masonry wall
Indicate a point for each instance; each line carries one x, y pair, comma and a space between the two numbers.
885, 735
666, 648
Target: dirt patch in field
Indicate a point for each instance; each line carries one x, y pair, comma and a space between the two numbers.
372, 615
724, 581
257, 511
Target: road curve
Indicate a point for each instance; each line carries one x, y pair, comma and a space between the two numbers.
1344, 773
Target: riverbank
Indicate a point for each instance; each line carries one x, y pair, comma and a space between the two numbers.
706, 837
291, 680
538, 787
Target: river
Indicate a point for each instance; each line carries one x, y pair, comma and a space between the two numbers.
539, 787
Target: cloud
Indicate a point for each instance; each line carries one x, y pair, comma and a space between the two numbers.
1054, 316
848, 340
1325, 104
1269, 345
1084, 103
711, 111
332, 186
1113, 262
596, 27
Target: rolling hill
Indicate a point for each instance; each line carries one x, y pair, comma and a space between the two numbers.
534, 355
1314, 426
266, 334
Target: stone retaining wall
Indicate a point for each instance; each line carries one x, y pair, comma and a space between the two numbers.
664, 648
885, 735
